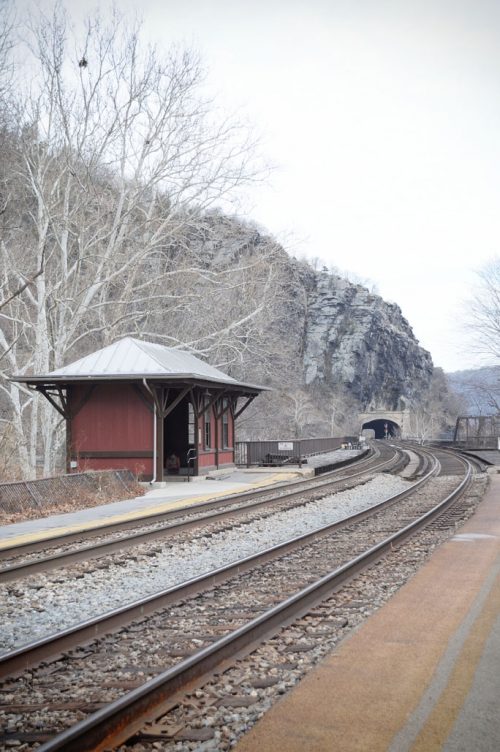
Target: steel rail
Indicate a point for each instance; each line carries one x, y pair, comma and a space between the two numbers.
480, 462
447, 451
118, 721
93, 551
53, 645
111, 527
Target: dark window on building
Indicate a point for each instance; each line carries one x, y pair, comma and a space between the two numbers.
191, 425
208, 427
225, 425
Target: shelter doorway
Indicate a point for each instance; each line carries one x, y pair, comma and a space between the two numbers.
178, 437
384, 428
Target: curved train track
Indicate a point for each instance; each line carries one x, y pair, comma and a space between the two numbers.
22, 559
222, 614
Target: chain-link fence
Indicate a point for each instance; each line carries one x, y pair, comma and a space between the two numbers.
35, 494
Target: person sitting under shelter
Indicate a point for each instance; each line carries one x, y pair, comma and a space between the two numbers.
173, 464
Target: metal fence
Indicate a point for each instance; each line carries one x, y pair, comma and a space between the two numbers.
16, 497
249, 453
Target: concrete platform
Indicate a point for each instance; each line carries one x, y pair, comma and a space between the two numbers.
169, 496
326, 459
421, 674
489, 455
163, 497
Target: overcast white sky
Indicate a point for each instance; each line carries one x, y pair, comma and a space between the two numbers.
383, 118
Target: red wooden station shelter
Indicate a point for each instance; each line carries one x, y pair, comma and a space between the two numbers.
148, 408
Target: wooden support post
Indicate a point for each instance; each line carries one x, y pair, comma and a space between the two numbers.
216, 437
68, 446
159, 446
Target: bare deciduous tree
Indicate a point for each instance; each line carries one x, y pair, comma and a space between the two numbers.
302, 411
437, 410
113, 158
479, 390
6, 45
483, 314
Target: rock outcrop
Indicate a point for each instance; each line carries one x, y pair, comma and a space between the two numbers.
355, 339
319, 330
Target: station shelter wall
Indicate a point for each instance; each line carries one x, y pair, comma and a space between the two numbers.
112, 430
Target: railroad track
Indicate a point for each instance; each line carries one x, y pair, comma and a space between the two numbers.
305, 572
197, 516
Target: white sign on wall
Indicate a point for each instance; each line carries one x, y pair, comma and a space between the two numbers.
285, 446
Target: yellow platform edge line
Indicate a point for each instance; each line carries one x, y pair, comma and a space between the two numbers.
435, 732
143, 513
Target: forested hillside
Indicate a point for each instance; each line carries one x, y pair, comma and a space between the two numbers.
479, 389
113, 172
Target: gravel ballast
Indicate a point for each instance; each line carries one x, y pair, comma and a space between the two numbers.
43, 604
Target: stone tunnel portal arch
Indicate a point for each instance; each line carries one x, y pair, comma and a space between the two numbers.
383, 427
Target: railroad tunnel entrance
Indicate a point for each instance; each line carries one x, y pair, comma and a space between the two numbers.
384, 428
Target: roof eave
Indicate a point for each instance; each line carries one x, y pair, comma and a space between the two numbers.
196, 380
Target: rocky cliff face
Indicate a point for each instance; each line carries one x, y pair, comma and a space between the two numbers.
319, 329
355, 339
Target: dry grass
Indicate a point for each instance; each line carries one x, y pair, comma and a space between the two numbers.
109, 490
